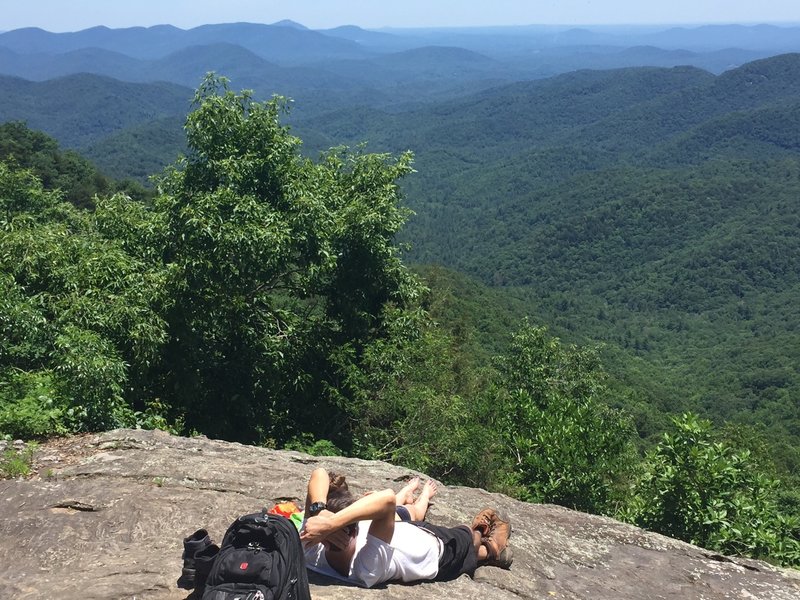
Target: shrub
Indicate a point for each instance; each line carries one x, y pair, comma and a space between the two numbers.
703, 491
565, 445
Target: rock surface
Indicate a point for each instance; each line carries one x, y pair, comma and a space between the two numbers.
104, 517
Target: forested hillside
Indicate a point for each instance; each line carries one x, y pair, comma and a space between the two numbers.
652, 209
626, 206
81, 109
77, 178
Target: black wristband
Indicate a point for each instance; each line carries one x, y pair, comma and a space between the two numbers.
316, 508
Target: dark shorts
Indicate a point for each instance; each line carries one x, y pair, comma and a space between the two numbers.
403, 513
459, 555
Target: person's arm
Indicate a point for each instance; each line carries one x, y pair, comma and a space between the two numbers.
317, 490
377, 507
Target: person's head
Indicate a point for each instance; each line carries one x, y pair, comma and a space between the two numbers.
338, 502
339, 498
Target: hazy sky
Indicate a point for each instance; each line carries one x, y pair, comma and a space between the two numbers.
72, 15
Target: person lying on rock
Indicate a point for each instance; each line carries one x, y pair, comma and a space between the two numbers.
360, 541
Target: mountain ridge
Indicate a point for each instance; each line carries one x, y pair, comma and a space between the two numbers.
158, 41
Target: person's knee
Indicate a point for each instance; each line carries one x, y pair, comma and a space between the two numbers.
388, 503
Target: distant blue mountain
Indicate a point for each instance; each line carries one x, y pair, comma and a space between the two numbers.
281, 43
288, 42
42, 66
186, 66
290, 23
376, 40
139, 42
508, 41
331, 69
716, 37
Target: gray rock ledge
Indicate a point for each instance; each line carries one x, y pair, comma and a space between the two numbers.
104, 516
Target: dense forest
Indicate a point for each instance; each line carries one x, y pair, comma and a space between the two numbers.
652, 210
579, 289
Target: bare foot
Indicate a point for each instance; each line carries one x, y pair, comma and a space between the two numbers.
406, 493
428, 491
420, 508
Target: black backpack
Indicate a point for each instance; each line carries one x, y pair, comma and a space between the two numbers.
261, 558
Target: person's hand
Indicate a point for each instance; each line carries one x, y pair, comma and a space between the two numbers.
317, 529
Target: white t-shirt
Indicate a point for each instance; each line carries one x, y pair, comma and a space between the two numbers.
412, 555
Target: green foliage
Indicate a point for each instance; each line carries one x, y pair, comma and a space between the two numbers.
709, 493
566, 446
16, 463
29, 405
416, 400
78, 313
155, 417
225, 302
77, 178
306, 443
275, 262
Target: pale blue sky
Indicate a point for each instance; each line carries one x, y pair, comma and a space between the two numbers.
72, 15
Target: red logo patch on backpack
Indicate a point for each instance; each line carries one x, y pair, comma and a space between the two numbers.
243, 566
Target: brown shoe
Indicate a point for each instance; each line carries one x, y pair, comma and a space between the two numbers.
484, 521
497, 540
503, 560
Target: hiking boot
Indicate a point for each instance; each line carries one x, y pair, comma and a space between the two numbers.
197, 542
203, 561
483, 521
503, 560
497, 540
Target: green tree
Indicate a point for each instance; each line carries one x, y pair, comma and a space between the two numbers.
279, 267
417, 399
79, 316
704, 491
564, 444
239, 298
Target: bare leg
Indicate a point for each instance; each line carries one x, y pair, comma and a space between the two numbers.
419, 508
